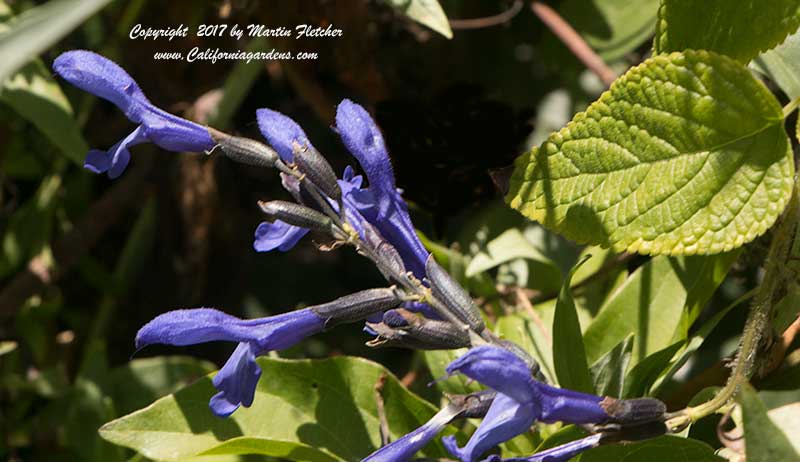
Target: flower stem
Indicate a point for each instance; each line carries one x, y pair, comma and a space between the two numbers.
790, 107
758, 320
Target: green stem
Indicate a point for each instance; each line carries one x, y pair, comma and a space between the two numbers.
758, 320
790, 107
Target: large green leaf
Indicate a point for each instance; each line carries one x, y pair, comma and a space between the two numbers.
782, 65
652, 304
427, 12
765, 442
569, 353
663, 449
612, 27
39, 28
741, 30
304, 410
685, 154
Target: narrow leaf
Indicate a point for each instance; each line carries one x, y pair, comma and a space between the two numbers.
741, 31
782, 65
764, 441
39, 28
569, 354
647, 371
608, 372
685, 154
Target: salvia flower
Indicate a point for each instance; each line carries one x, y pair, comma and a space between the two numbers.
104, 78
237, 379
520, 401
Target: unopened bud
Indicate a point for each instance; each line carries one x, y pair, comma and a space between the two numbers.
384, 249
450, 292
357, 306
297, 215
244, 150
419, 334
634, 411
317, 169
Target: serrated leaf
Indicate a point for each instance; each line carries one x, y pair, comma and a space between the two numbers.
764, 441
662, 449
323, 410
782, 65
608, 372
612, 27
685, 154
426, 12
569, 354
652, 304
741, 31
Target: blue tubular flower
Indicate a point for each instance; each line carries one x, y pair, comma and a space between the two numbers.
381, 203
237, 380
402, 449
104, 78
561, 453
520, 400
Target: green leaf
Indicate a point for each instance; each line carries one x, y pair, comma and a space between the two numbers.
741, 31
304, 410
33, 94
685, 154
647, 371
782, 65
662, 449
652, 304
608, 372
40, 28
426, 12
569, 354
696, 341
142, 381
612, 27
437, 361
765, 442
509, 245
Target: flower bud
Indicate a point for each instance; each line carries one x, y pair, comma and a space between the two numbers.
317, 169
634, 411
418, 334
384, 249
450, 292
357, 306
294, 214
244, 150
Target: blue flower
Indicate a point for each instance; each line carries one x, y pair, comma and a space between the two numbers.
560, 453
379, 204
402, 449
104, 78
521, 400
237, 379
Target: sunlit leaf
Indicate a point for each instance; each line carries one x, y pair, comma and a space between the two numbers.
685, 154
